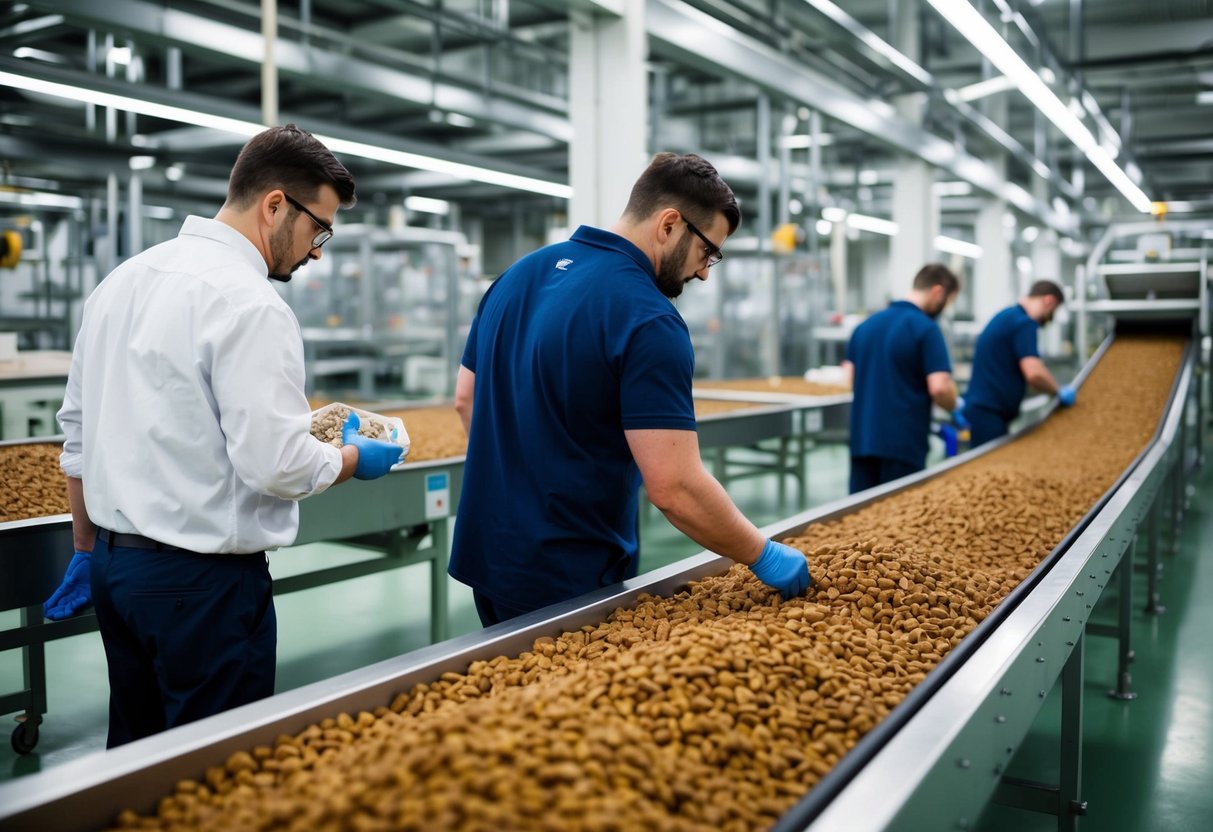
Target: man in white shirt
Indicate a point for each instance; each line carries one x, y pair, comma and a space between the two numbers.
188, 445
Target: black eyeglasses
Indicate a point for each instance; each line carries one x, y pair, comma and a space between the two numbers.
321, 237
715, 255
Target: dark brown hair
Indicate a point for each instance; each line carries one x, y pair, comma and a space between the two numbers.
1047, 288
688, 183
937, 274
289, 158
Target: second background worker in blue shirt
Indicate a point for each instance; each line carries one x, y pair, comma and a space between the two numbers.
899, 365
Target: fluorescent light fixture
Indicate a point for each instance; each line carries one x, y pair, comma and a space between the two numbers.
874, 43
825, 228
1047, 75
174, 172
248, 129
427, 205
142, 162
869, 177
1042, 170
999, 83
952, 189
1204, 97
876, 225
40, 199
1024, 264
120, 55
460, 120
795, 206
834, 214
1030, 233
799, 141
30, 53
953, 246
158, 212
978, 31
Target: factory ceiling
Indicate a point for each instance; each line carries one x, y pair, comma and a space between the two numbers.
486, 82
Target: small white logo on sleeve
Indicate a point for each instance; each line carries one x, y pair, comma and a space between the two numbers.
563, 264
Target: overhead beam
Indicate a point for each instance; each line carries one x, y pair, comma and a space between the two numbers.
691, 37
339, 73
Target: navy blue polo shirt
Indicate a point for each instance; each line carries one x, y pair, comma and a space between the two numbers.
571, 346
998, 384
893, 353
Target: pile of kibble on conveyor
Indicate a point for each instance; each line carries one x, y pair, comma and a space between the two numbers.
717, 708
34, 485
435, 432
789, 385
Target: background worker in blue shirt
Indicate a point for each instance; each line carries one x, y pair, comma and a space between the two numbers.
899, 365
1006, 361
575, 384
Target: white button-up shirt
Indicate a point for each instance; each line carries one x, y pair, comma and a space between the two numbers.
185, 414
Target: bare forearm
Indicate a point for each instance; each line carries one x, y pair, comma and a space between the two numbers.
84, 531
699, 508
1038, 377
349, 461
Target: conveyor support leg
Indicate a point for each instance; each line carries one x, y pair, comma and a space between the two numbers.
1124, 681
1154, 567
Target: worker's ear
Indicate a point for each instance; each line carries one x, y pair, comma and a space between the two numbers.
665, 222
272, 207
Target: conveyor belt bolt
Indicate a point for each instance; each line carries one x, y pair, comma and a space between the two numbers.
963, 762
1005, 691
1000, 719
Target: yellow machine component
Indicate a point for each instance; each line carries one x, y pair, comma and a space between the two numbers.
784, 238
1159, 210
10, 248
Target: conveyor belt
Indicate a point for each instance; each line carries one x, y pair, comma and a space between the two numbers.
905, 770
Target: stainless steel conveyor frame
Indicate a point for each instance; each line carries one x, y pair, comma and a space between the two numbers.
933, 763
392, 516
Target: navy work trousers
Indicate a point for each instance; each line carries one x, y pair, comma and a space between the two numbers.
494, 612
186, 635
871, 471
985, 425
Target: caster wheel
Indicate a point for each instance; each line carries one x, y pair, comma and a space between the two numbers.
25, 737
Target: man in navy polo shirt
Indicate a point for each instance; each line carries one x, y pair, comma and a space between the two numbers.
899, 365
1006, 361
575, 385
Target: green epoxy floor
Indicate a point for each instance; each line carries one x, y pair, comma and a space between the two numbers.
1147, 763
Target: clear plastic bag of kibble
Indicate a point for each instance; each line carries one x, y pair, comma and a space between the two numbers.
327, 422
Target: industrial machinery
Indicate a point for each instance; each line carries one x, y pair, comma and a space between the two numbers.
754, 317
934, 762
1162, 276
384, 303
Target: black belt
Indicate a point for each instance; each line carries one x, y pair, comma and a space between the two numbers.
134, 541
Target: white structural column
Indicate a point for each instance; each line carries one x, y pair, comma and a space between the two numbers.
609, 111
1046, 265
994, 285
994, 281
915, 206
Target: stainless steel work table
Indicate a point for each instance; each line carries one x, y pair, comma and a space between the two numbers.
934, 762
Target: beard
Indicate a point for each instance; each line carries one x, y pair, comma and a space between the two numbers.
670, 279
280, 249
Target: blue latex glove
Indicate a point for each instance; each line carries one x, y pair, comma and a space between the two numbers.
75, 593
375, 457
951, 441
782, 567
958, 414
1067, 395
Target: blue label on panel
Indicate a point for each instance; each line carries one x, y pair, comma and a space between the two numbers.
436, 482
